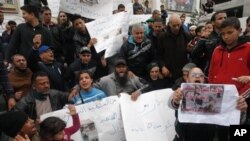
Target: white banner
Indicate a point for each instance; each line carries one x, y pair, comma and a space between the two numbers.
136, 19
100, 120
109, 32
54, 6
209, 103
117, 2
93, 9
149, 118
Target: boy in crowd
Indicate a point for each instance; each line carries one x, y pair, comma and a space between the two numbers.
230, 60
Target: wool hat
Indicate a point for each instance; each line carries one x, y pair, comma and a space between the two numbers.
11, 122
188, 67
85, 50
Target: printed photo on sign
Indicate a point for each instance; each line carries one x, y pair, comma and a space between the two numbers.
88, 130
199, 98
179, 5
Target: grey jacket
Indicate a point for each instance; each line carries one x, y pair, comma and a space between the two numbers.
111, 87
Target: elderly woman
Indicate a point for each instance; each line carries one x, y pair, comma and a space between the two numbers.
87, 92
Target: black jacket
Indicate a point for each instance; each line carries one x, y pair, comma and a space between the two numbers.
80, 40
55, 72
173, 52
28, 103
138, 56
22, 39
203, 51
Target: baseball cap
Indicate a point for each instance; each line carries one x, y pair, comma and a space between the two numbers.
85, 50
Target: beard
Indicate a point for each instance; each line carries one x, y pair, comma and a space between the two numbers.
122, 80
21, 69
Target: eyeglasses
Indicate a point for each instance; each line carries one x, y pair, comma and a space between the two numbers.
197, 75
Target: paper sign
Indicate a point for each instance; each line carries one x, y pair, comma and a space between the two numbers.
149, 118
209, 103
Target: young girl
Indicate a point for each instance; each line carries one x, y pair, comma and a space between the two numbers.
53, 128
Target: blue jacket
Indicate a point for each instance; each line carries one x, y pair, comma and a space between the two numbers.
88, 96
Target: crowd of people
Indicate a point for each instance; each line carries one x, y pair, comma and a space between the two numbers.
46, 65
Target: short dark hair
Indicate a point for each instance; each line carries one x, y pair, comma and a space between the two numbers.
76, 17
86, 71
38, 74
45, 8
10, 22
215, 14
121, 6
31, 10
157, 20
248, 20
50, 127
198, 29
231, 21
15, 55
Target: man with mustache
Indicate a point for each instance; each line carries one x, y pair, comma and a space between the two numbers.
192, 131
119, 81
41, 98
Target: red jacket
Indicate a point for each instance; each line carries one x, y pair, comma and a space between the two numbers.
227, 64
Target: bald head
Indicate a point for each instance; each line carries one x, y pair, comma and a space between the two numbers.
175, 23
174, 17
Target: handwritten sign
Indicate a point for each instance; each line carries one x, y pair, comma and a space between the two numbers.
93, 9
209, 103
149, 118
109, 32
100, 120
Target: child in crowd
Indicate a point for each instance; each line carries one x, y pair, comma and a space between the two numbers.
53, 128
230, 60
87, 92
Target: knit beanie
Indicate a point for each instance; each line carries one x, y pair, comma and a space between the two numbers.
11, 122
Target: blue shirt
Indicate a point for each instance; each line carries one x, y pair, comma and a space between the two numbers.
88, 96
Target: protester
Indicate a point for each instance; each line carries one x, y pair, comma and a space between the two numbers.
20, 75
173, 48
138, 51
184, 78
206, 47
41, 98
66, 33
7, 34
21, 41
199, 131
17, 124
6, 89
119, 82
155, 79
87, 92
137, 6
232, 52
164, 14
54, 128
